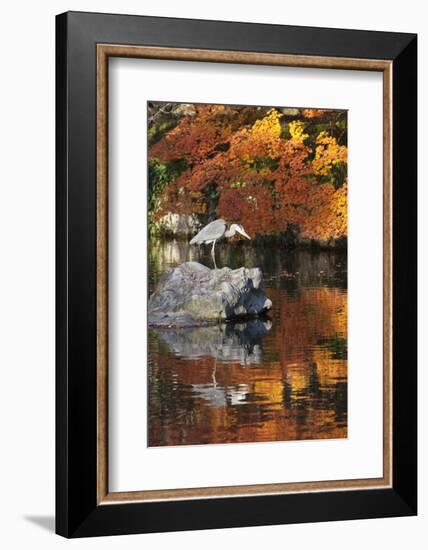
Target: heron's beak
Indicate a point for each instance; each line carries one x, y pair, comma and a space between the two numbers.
245, 234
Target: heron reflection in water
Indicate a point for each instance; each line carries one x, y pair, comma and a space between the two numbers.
215, 231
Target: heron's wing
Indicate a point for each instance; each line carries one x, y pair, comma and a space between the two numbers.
213, 230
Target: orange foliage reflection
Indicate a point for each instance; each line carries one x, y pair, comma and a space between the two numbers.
294, 389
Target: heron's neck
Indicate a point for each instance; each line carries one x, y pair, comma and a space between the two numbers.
230, 232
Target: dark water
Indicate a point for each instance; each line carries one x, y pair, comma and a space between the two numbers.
275, 379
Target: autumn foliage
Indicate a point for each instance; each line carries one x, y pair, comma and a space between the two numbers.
273, 170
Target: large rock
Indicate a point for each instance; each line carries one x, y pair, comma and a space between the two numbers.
180, 225
193, 294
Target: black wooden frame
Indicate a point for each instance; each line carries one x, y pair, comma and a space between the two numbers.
77, 512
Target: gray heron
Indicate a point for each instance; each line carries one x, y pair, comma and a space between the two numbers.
217, 230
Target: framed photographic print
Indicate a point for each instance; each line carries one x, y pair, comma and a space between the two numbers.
236, 274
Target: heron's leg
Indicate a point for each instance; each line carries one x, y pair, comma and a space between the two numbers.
213, 254
213, 373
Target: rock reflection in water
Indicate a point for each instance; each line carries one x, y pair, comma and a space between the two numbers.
238, 342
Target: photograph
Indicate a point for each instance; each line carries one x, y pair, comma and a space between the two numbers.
213, 259
247, 273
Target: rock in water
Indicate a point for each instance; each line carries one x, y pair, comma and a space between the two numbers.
193, 294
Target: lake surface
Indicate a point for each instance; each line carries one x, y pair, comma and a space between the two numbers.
280, 378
